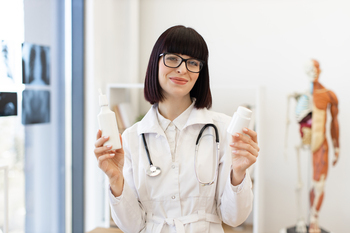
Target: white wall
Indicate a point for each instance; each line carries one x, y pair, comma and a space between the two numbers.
252, 42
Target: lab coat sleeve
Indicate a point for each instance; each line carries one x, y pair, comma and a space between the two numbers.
234, 203
127, 211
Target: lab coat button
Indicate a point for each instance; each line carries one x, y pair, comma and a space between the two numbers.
173, 197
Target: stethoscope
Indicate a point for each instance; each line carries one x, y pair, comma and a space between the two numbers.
155, 171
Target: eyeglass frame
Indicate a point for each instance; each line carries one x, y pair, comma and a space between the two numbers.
183, 60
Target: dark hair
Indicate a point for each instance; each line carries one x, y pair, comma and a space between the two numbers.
186, 41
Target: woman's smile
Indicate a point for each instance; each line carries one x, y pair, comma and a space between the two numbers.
178, 80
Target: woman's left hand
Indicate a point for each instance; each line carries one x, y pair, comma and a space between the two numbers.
245, 151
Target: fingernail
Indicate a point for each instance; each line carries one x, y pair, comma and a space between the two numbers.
234, 151
111, 155
237, 135
109, 146
232, 144
105, 137
245, 129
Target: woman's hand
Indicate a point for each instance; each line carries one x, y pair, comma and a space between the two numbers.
111, 162
245, 151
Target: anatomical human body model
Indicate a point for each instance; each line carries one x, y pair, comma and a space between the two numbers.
311, 114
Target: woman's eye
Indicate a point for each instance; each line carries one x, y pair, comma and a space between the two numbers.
193, 63
172, 58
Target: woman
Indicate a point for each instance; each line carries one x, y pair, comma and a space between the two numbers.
177, 84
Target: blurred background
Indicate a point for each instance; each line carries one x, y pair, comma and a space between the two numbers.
49, 179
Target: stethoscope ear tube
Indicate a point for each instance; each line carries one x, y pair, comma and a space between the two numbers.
202, 130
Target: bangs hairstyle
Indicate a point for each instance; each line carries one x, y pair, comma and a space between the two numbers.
186, 41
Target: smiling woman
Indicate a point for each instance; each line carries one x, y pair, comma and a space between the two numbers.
179, 40
179, 198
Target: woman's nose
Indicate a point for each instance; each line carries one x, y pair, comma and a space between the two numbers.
182, 68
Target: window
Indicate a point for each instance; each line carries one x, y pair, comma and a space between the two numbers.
12, 131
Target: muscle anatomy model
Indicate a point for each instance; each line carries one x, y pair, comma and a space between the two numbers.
311, 114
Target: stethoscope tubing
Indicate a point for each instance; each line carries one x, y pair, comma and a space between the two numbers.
146, 148
153, 170
202, 130
217, 154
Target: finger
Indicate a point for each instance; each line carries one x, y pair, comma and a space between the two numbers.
103, 158
241, 137
245, 146
119, 151
246, 154
99, 134
121, 140
253, 135
101, 141
246, 139
102, 150
253, 149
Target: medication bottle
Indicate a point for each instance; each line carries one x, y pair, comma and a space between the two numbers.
108, 124
240, 119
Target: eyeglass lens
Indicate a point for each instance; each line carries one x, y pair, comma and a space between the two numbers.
174, 61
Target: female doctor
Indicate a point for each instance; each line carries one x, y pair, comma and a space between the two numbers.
158, 181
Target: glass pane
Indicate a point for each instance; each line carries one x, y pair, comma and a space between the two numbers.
12, 131
11, 154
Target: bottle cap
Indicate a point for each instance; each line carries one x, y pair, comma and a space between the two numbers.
102, 99
244, 112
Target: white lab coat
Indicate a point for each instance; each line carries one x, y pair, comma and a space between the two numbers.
175, 201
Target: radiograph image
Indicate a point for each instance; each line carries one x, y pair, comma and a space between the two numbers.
35, 107
35, 64
8, 104
6, 76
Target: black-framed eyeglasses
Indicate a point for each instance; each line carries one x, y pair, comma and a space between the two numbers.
173, 61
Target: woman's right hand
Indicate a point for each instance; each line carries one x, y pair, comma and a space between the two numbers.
111, 162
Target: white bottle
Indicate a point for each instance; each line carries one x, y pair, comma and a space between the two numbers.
108, 123
240, 119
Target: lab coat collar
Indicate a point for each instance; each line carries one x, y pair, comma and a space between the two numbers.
199, 116
163, 122
181, 121
150, 124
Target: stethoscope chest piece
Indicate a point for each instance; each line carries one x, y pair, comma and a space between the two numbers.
153, 171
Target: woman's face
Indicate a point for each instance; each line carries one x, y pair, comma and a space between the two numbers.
176, 82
